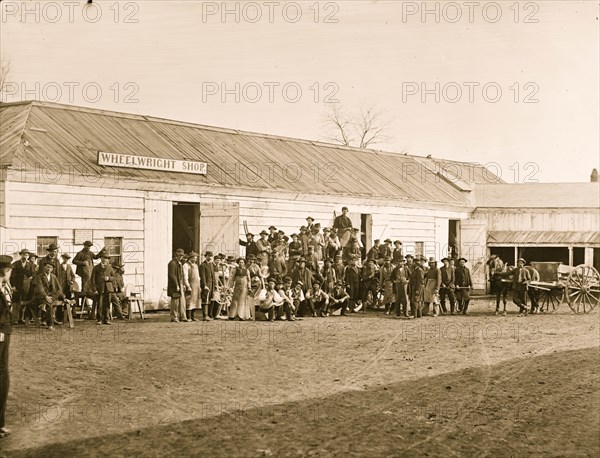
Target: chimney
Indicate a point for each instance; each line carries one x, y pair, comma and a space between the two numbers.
594, 176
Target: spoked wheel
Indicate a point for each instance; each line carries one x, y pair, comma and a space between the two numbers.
583, 289
550, 300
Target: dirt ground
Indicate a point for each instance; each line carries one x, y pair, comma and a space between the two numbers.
363, 385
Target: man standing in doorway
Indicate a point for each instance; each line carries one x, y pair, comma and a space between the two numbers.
464, 284
207, 284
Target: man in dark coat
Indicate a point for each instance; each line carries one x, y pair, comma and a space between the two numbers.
295, 252
250, 244
400, 277
302, 274
462, 276
84, 262
343, 226
102, 284
352, 281
118, 298
520, 284
207, 285
447, 287
5, 332
47, 292
21, 276
51, 258
417, 284
176, 287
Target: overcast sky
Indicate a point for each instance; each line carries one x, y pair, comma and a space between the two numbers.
173, 59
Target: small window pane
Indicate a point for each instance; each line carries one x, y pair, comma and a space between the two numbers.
114, 246
43, 243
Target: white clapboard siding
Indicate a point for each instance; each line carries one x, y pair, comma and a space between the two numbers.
2, 209
539, 220
158, 227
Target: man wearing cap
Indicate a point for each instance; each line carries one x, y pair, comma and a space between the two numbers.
207, 285
250, 244
431, 290
21, 276
400, 280
397, 253
464, 284
309, 224
447, 287
374, 251
47, 292
176, 287
417, 280
264, 249
5, 333
520, 284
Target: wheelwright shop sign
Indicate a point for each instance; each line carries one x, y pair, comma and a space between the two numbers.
151, 163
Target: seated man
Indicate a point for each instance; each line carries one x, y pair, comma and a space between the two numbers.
47, 292
267, 303
339, 298
282, 288
318, 300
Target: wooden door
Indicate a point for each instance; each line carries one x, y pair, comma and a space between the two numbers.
473, 242
220, 227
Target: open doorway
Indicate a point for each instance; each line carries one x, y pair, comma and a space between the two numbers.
366, 233
453, 237
186, 231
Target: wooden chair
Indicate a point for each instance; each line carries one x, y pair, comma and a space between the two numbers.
134, 297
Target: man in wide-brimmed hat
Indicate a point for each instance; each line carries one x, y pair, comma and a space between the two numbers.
250, 244
47, 293
520, 284
447, 287
21, 276
417, 280
51, 258
397, 253
400, 277
339, 298
431, 290
464, 284
207, 285
264, 249
84, 262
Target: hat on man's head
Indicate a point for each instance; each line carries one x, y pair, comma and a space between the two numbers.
397, 242
192, 254
87, 243
445, 259
387, 241
326, 229
24, 251
179, 252
317, 224
263, 232
387, 258
52, 247
294, 235
302, 228
33, 255
118, 265
344, 208
281, 232
105, 255
309, 218
432, 260
299, 283
301, 259
272, 227
249, 234
251, 257
65, 256
230, 258
409, 256
463, 259
208, 253
221, 256
5, 262
522, 260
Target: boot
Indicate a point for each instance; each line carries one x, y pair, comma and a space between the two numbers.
465, 307
192, 317
435, 310
205, 314
272, 314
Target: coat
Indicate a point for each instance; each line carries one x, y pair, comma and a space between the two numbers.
19, 274
207, 276
98, 282
174, 278
80, 259
448, 277
48, 260
416, 283
305, 276
44, 287
462, 276
5, 309
352, 280
520, 275
66, 278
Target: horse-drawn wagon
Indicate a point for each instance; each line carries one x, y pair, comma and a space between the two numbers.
556, 283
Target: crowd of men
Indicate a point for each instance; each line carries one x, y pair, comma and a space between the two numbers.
321, 270
43, 287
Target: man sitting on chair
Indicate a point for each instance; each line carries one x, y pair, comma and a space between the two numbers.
47, 293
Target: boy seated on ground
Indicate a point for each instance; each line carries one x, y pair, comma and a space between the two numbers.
318, 301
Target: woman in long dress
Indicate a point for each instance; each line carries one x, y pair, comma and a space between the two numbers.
240, 278
191, 280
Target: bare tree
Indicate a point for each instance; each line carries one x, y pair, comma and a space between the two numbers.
4, 72
362, 130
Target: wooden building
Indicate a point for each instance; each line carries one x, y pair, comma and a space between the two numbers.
144, 186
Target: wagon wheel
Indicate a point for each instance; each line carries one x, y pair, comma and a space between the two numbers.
550, 300
583, 289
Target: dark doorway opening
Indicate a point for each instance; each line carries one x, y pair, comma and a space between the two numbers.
186, 222
597, 258
578, 256
453, 242
545, 254
366, 233
506, 253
